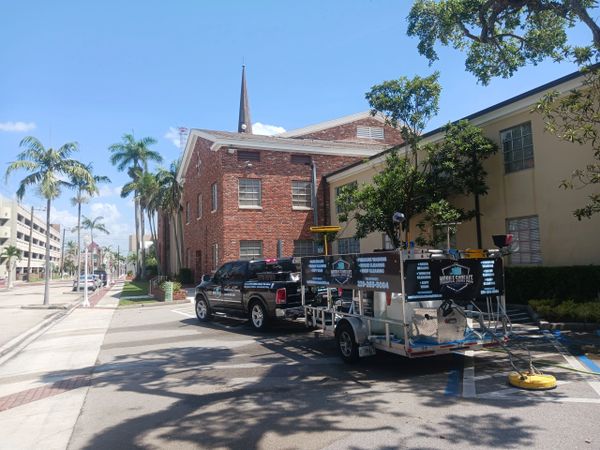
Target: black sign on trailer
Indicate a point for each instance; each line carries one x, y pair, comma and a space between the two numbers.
463, 279
370, 271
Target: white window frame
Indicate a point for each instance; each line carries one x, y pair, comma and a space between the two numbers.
215, 256
526, 231
299, 199
517, 154
214, 197
248, 196
251, 250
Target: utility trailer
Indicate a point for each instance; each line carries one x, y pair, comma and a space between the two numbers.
414, 303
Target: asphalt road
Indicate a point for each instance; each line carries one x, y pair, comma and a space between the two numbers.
162, 380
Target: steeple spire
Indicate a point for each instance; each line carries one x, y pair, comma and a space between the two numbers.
244, 122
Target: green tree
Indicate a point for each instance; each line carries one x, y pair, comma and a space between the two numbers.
48, 168
12, 254
501, 36
83, 191
575, 118
439, 223
456, 165
133, 156
171, 191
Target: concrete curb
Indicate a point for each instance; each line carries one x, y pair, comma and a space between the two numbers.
157, 303
570, 326
18, 343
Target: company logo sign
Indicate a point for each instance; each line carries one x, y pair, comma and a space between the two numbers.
456, 277
341, 272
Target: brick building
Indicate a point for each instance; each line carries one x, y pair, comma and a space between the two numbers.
250, 196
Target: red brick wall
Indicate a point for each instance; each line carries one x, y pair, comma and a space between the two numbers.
230, 224
347, 132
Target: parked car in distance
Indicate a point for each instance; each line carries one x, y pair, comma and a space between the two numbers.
91, 283
103, 276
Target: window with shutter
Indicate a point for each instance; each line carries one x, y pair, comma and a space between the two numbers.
250, 249
249, 193
301, 194
370, 132
526, 231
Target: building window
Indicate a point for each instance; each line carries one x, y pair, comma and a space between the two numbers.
305, 247
249, 192
213, 197
386, 242
348, 245
369, 132
301, 159
215, 256
199, 207
244, 155
517, 146
187, 212
250, 249
301, 194
338, 191
526, 231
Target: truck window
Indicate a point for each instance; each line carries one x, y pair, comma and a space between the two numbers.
238, 271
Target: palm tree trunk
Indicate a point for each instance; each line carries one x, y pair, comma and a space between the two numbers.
47, 277
10, 269
78, 239
137, 235
143, 232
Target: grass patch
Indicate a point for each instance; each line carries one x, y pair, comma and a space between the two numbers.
567, 311
137, 301
135, 288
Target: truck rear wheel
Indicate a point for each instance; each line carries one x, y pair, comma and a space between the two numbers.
346, 343
258, 316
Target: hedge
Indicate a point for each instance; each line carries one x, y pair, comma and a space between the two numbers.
577, 283
567, 311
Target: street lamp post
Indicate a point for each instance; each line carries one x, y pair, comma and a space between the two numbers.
86, 299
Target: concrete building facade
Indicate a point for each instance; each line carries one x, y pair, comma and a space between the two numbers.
524, 195
18, 229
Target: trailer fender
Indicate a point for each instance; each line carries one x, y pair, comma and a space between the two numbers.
358, 326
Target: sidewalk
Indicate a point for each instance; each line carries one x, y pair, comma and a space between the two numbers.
61, 361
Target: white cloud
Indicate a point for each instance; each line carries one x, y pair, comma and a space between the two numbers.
119, 227
173, 136
18, 127
65, 218
266, 130
109, 191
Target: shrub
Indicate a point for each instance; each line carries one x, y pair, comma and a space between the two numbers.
176, 285
578, 283
567, 311
185, 276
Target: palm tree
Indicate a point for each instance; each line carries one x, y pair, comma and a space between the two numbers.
84, 191
10, 253
48, 168
71, 256
146, 189
171, 191
133, 156
94, 224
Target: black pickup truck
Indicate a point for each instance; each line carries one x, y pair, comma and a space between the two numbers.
261, 290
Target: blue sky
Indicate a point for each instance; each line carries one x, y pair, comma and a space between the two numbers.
90, 71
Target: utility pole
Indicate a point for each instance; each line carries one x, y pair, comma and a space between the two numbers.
30, 243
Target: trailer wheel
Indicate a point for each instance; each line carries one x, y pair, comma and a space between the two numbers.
346, 343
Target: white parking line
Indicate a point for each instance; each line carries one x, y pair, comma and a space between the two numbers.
182, 313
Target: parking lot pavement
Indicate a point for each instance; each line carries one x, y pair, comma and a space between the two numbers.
163, 380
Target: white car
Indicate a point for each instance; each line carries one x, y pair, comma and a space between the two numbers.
91, 283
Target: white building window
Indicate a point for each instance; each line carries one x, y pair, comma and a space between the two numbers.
213, 197
305, 247
250, 249
369, 132
348, 245
215, 256
301, 194
249, 192
517, 146
526, 231
199, 207
338, 190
